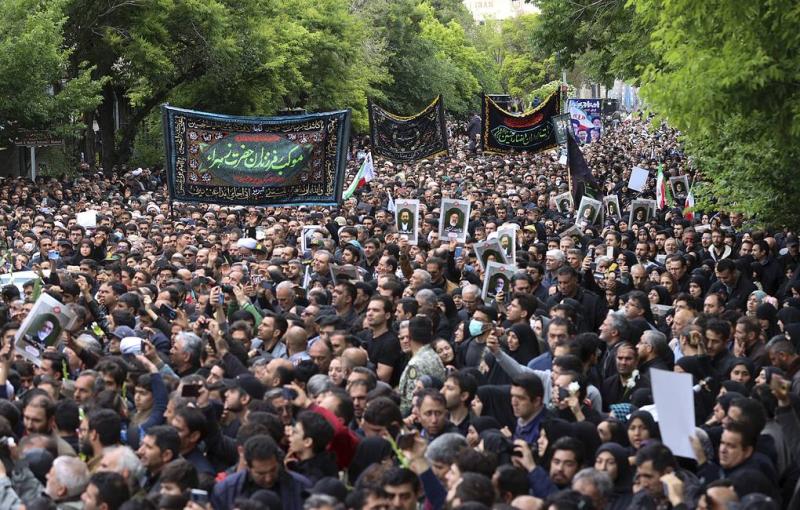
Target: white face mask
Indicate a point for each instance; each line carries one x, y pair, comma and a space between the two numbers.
27, 247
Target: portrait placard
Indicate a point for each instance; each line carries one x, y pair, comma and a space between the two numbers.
42, 328
489, 251
497, 278
611, 207
454, 219
507, 236
564, 202
588, 211
407, 219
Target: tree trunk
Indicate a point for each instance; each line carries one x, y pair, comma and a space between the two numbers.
105, 119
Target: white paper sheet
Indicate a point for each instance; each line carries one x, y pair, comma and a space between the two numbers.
87, 219
638, 179
674, 400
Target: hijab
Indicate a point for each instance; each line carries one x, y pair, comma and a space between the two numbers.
495, 441
648, 421
371, 450
496, 402
664, 297
624, 480
481, 423
767, 312
528, 344
788, 315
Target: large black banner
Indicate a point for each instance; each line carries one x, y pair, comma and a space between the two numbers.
533, 131
408, 138
223, 159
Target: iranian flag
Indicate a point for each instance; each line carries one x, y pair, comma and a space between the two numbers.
687, 209
365, 174
662, 189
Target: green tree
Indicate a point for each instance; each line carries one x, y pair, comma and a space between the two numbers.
229, 56
37, 90
605, 36
727, 79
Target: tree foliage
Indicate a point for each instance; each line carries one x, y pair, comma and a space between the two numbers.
36, 90
605, 37
727, 79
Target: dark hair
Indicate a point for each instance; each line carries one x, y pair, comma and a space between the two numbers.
261, 447
349, 288
387, 303
475, 488
573, 445
512, 480
112, 489
753, 415
251, 429
659, 455
279, 321
383, 412
181, 472
194, 418
725, 265
720, 327
531, 384
397, 476
166, 438
114, 368
317, 429
466, 383
107, 424
409, 305
67, 415
420, 330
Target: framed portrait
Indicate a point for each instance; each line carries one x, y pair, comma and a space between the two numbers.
307, 234
507, 236
454, 219
42, 328
680, 189
564, 202
611, 207
497, 279
407, 219
641, 211
490, 251
588, 211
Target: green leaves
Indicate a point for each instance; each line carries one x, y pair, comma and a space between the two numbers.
36, 90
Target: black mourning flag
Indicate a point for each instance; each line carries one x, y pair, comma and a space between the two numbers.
407, 139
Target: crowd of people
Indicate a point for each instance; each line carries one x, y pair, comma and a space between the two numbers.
214, 363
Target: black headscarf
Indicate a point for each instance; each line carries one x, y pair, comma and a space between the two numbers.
481, 423
370, 450
664, 297
624, 480
497, 403
648, 421
528, 344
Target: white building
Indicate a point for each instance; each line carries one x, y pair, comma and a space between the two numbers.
498, 9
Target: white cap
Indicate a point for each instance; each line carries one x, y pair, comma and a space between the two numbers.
247, 242
131, 345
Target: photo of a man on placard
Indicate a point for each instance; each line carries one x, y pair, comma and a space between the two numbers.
455, 221
405, 221
44, 331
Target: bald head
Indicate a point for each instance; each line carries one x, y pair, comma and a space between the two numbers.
296, 339
356, 356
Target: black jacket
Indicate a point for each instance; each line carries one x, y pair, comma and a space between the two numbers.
593, 309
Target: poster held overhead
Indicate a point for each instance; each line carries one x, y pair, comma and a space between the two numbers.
407, 219
42, 328
454, 219
674, 399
